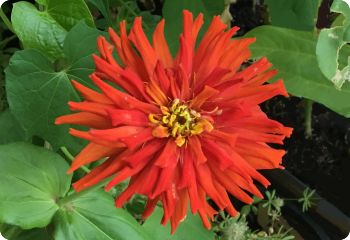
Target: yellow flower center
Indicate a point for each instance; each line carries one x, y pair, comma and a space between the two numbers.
179, 122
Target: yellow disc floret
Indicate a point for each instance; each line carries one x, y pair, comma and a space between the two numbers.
178, 121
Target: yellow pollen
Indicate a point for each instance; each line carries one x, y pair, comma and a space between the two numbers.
179, 122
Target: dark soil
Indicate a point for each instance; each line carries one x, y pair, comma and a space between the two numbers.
322, 161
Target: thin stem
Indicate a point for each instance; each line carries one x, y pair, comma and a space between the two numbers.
6, 20
4, 42
308, 117
70, 157
290, 199
75, 195
133, 13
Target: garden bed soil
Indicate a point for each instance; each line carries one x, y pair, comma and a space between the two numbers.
322, 161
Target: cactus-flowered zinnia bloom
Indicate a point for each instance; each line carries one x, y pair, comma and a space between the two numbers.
184, 128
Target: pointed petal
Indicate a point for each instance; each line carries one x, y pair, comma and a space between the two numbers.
92, 152
85, 119
123, 100
90, 94
160, 45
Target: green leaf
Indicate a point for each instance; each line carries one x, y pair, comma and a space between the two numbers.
37, 94
11, 232
128, 10
172, 12
69, 12
339, 21
46, 30
11, 130
296, 14
32, 179
41, 2
94, 216
191, 228
329, 44
103, 7
293, 54
38, 29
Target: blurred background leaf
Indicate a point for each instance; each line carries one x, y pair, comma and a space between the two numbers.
293, 54
191, 228
296, 14
172, 12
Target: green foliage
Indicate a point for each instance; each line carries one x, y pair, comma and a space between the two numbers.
11, 232
104, 7
38, 93
190, 227
293, 54
11, 130
5, 54
172, 12
94, 216
237, 229
306, 199
34, 190
32, 180
296, 14
272, 202
69, 12
329, 44
128, 10
37, 29
36, 201
46, 30
267, 212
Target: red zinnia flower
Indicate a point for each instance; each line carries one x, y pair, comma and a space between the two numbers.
186, 127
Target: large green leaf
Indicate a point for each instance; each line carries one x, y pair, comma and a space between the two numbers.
38, 29
172, 12
46, 30
37, 93
191, 228
94, 216
293, 54
11, 130
296, 14
32, 180
69, 12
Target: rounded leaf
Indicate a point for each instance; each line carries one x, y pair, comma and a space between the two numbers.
94, 216
32, 180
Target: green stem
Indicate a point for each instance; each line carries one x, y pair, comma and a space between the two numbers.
71, 158
308, 117
6, 20
133, 13
4, 42
75, 195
